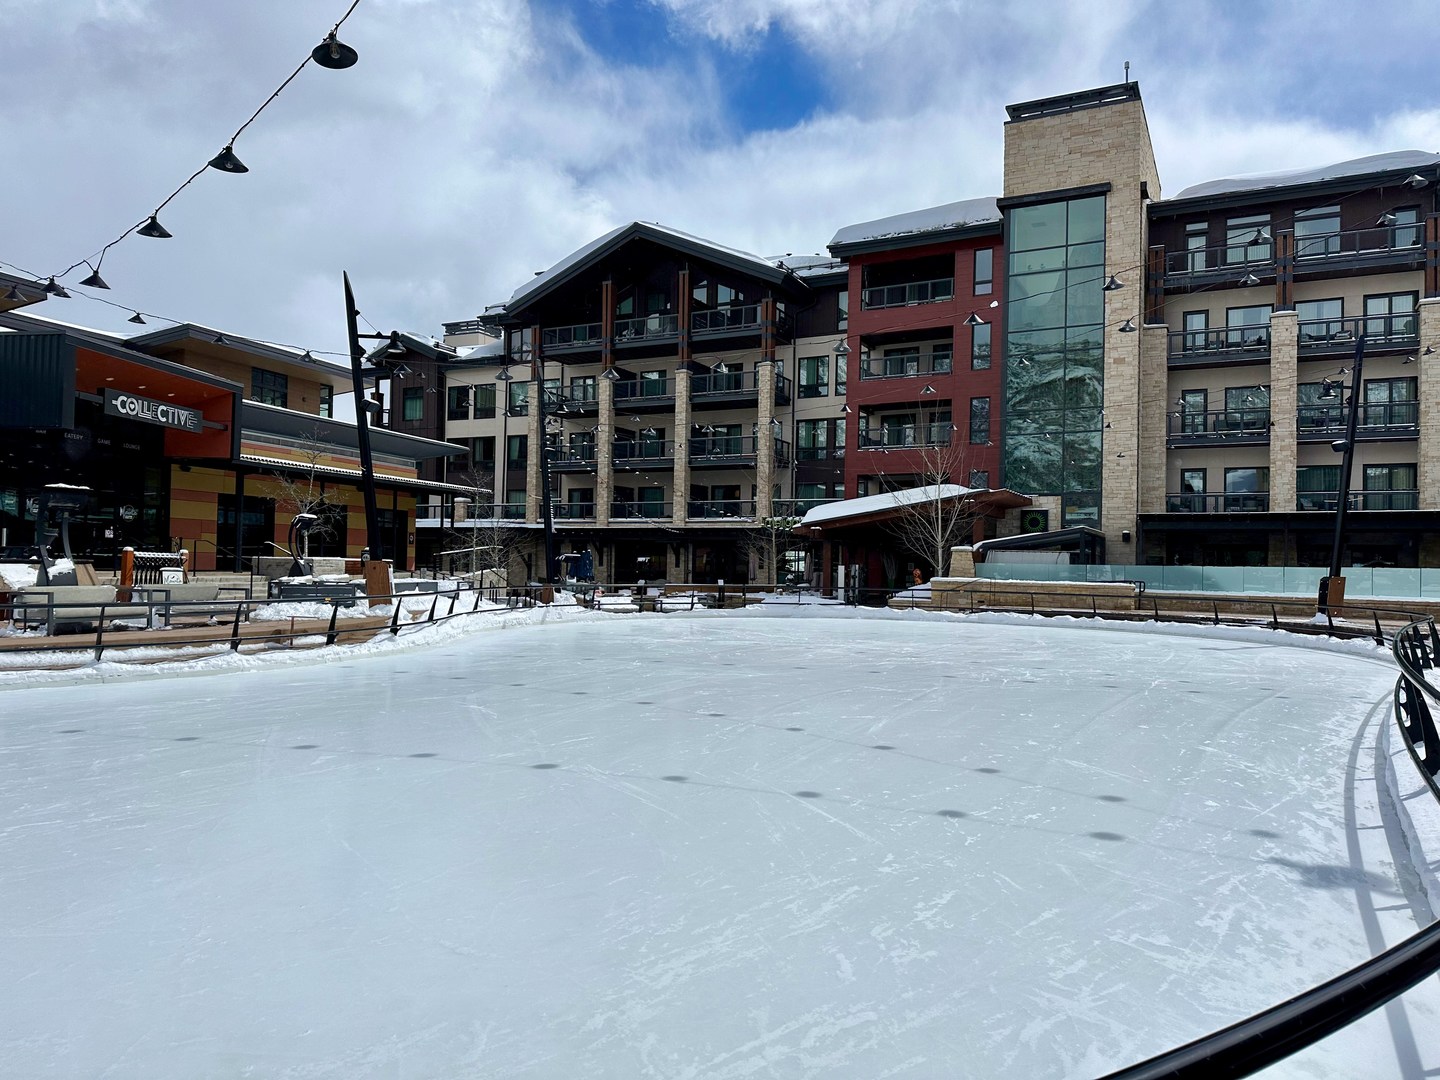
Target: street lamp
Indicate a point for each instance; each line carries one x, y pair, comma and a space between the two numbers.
1332, 586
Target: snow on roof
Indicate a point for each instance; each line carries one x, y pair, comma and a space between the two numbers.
579, 255
480, 352
807, 266
887, 500
934, 219
1363, 166
117, 338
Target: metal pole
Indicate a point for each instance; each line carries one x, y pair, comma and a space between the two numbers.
1356, 386
362, 426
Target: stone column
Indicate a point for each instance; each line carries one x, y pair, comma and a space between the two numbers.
1284, 404
535, 439
1154, 405
764, 429
1428, 372
681, 493
604, 451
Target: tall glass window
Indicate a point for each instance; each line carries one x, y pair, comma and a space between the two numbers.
1054, 347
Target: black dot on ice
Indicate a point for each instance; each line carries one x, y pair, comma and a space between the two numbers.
951, 813
714, 714
188, 738
579, 692
794, 729
808, 795
644, 703
545, 765
882, 746
306, 746
71, 730
675, 779
1105, 836
1265, 834
988, 770
422, 755
1111, 798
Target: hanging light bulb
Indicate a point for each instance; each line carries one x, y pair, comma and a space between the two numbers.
53, 287
13, 296
394, 348
153, 228
94, 281
226, 161
1128, 327
334, 54
1113, 284
974, 320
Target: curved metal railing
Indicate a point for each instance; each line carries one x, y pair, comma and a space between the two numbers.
1417, 650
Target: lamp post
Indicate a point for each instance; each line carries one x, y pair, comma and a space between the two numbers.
1332, 586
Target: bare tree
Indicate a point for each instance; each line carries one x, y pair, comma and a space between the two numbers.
480, 540
301, 490
936, 517
768, 541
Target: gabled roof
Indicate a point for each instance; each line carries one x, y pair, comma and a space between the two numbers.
184, 332
1397, 161
970, 217
695, 246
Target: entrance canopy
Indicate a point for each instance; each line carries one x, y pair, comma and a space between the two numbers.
830, 518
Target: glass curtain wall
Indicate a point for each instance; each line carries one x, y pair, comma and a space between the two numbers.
1054, 349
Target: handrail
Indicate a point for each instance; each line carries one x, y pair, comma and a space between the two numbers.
1417, 650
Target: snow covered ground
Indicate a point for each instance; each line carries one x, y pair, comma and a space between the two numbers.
773, 843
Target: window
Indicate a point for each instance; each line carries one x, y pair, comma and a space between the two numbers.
980, 347
1318, 410
1196, 324
811, 440
653, 384
842, 364
1193, 404
1406, 230
902, 361
517, 450
1390, 316
1390, 487
1320, 320
979, 480
515, 503
650, 502
979, 420
327, 400
551, 389
1191, 499
814, 376
984, 271
1247, 489
1247, 409
1317, 232
269, 387
844, 302
940, 357
457, 403
811, 495
1240, 234
482, 452
412, 403
582, 446
1317, 487
1390, 403
1196, 237
484, 399
581, 502
518, 399
1247, 327
583, 388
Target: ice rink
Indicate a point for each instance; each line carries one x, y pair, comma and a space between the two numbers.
709, 846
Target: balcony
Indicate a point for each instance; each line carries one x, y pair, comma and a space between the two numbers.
574, 459
1226, 263
908, 436
819, 453
1231, 427
573, 511
1375, 422
1247, 502
477, 515
577, 401
721, 389
658, 327
566, 338
1359, 500
1336, 337
742, 318
721, 509
1385, 246
907, 295
643, 510
642, 395
729, 451
937, 362
1232, 345
652, 453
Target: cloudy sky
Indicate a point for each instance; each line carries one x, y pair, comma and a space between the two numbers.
478, 141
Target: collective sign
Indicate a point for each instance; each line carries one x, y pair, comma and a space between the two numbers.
150, 411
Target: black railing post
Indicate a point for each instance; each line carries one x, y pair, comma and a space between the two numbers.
330, 633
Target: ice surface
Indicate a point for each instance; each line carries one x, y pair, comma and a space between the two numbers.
784, 843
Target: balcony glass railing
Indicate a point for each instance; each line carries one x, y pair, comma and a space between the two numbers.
1236, 259
914, 292
574, 457
1361, 244
726, 319
633, 389
1217, 425
579, 335
642, 509
797, 507
720, 508
819, 453
1200, 344
1330, 420
907, 437
725, 449
1338, 335
898, 367
646, 328
1239, 502
435, 514
722, 382
646, 450
1359, 500
574, 511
